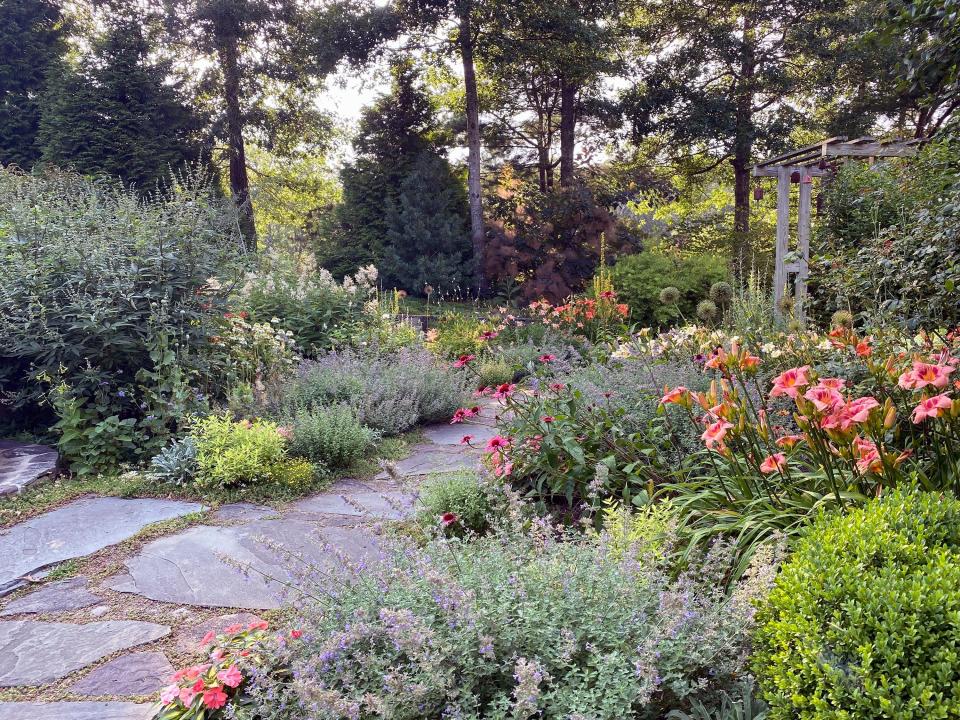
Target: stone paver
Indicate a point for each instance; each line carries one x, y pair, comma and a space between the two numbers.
141, 673
429, 459
22, 464
202, 565
55, 597
34, 653
242, 512
75, 711
358, 500
76, 530
453, 434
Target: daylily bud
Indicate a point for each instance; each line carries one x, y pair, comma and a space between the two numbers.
889, 415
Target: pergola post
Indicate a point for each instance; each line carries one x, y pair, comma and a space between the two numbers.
783, 237
803, 241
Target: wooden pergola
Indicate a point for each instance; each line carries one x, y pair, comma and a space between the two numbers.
801, 166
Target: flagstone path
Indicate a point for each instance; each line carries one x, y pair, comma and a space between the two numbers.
99, 645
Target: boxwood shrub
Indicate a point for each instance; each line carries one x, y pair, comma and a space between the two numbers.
863, 620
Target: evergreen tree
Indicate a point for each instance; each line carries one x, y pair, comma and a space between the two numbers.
31, 43
428, 240
116, 113
403, 207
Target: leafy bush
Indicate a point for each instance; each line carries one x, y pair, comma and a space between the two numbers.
240, 454
464, 496
640, 278
862, 620
306, 301
889, 244
176, 463
330, 436
390, 392
515, 626
491, 373
105, 299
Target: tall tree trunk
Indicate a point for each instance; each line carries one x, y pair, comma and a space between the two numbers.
743, 132
228, 55
474, 192
568, 127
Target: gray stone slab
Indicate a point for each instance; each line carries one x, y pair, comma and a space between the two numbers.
357, 500
142, 673
76, 711
240, 566
242, 512
55, 597
22, 464
453, 434
429, 459
78, 529
35, 653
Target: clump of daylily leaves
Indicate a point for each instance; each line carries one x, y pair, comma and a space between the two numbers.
204, 691
842, 442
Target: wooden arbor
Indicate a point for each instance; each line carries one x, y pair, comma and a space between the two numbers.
801, 166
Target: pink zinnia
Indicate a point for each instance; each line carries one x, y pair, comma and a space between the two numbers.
715, 432
231, 677
774, 463
790, 382
931, 407
215, 698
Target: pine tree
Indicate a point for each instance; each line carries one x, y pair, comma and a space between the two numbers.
31, 44
403, 207
116, 113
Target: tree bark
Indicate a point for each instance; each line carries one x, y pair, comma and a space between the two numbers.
743, 132
474, 191
228, 55
568, 127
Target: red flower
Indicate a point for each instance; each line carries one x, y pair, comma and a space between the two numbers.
497, 442
548, 419
547, 358
231, 677
488, 335
258, 625
608, 294
215, 698
448, 519
208, 638
557, 387
459, 416
464, 360
233, 629
296, 634
504, 391
466, 439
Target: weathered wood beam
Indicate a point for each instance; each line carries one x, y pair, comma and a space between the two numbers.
774, 171
778, 159
783, 235
871, 149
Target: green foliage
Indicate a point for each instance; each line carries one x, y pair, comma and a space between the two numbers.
861, 622
319, 312
390, 392
33, 35
515, 626
403, 207
463, 494
331, 436
739, 704
889, 246
105, 299
639, 280
491, 373
176, 463
233, 454
115, 112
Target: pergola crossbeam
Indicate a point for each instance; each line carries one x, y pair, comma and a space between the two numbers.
806, 162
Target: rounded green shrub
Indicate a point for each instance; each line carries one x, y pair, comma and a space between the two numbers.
863, 620
491, 373
332, 436
461, 494
640, 278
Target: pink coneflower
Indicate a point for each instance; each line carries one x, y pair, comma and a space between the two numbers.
466, 439
488, 334
464, 360
547, 358
497, 442
548, 419
504, 391
448, 519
